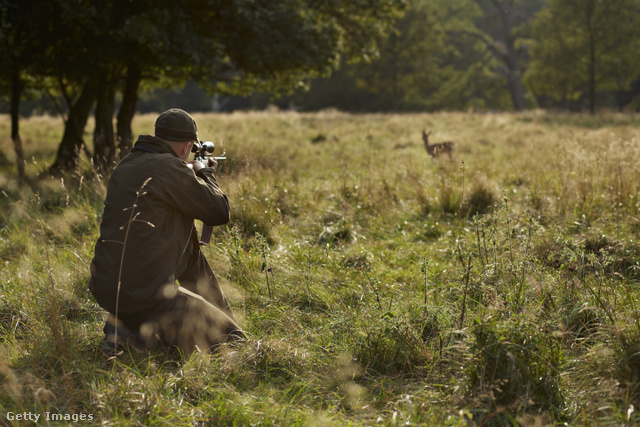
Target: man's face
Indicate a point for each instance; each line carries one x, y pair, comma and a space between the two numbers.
186, 150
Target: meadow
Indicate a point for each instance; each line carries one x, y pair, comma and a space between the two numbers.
378, 286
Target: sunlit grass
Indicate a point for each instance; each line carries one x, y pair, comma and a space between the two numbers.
377, 285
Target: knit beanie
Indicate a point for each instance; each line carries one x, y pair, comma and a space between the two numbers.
176, 125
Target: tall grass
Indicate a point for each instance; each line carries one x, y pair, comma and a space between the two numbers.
378, 286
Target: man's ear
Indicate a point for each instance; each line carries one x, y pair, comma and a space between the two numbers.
185, 149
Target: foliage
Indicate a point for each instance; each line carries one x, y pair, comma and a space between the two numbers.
584, 47
498, 29
404, 70
414, 55
439, 55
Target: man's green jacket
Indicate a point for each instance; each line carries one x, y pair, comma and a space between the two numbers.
152, 200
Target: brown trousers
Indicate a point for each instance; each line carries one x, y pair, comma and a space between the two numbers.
197, 318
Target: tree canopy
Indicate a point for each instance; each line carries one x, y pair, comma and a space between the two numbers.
444, 54
496, 54
585, 46
96, 50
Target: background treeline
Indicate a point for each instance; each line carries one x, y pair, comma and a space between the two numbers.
479, 55
112, 59
459, 55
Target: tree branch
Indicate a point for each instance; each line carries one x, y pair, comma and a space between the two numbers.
491, 44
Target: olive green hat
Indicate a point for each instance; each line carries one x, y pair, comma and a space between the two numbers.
176, 125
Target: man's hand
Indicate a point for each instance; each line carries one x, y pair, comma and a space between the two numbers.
196, 165
213, 164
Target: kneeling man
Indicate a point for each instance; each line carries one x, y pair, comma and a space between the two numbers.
148, 270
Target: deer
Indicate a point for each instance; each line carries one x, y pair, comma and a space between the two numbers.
435, 150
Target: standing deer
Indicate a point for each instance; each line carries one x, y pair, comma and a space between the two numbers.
435, 150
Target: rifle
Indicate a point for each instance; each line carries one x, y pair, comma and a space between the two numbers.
203, 150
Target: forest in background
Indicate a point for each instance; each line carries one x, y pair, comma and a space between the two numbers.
480, 55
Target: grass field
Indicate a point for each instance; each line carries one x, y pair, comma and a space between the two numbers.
378, 286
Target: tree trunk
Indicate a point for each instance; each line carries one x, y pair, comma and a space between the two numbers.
592, 77
592, 58
104, 150
510, 58
16, 92
128, 109
516, 89
72, 141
